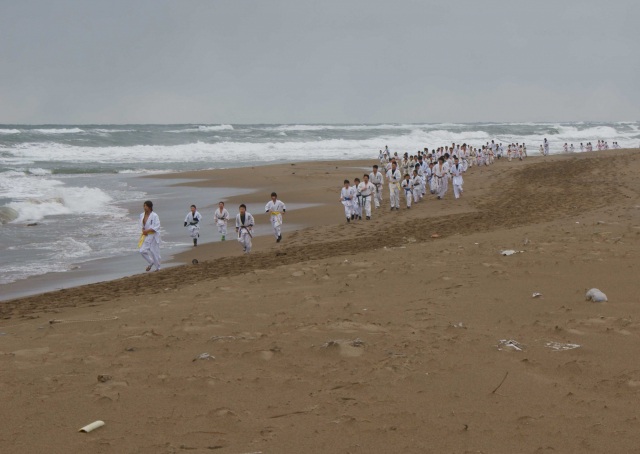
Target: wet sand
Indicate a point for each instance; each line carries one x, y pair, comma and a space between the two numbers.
376, 336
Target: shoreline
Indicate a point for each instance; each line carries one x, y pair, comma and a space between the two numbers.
327, 176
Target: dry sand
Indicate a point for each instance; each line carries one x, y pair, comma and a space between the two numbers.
360, 338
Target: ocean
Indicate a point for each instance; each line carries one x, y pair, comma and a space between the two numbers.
71, 194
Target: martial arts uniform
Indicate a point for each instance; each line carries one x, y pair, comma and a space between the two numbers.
150, 244
394, 187
346, 197
244, 228
222, 217
357, 203
377, 180
417, 183
441, 175
276, 209
407, 187
192, 222
423, 174
367, 191
456, 171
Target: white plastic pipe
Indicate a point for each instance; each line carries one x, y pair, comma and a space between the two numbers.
93, 426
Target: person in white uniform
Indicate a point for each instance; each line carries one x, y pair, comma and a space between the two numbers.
394, 177
367, 190
441, 174
276, 209
244, 228
347, 194
456, 172
417, 181
221, 217
357, 200
149, 243
377, 180
192, 222
407, 189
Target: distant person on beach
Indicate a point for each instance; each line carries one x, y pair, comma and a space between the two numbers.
377, 180
347, 194
441, 174
149, 243
367, 190
222, 217
192, 222
276, 208
357, 200
545, 145
417, 183
244, 227
394, 177
407, 187
456, 172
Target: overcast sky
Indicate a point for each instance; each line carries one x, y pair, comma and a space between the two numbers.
319, 61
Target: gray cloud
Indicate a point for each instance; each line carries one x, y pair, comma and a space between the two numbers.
151, 61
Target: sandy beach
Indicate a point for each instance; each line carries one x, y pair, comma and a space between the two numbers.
379, 336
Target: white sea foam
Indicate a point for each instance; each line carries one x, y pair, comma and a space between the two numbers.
589, 134
58, 131
205, 128
34, 198
304, 127
336, 148
9, 131
108, 131
38, 171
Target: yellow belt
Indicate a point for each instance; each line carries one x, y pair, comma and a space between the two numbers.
275, 213
142, 239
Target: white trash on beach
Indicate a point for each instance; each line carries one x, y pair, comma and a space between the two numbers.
560, 347
596, 296
536, 295
504, 344
510, 252
93, 426
205, 356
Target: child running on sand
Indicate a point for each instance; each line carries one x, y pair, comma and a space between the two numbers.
277, 209
244, 226
192, 222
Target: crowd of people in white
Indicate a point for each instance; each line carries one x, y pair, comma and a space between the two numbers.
411, 177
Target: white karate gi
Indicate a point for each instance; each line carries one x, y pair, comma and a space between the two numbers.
367, 191
416, 183
424, 168
222, 217
346, 197
407, 189
356, 202
441, 175
377, 180
193, 224
431, 179
150, 247
244, 231
276, 209
394, 187
456, 171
